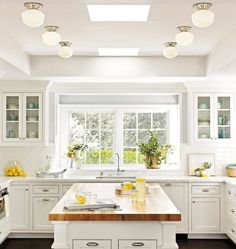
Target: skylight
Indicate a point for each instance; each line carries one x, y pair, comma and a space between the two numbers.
118, 51
118, 13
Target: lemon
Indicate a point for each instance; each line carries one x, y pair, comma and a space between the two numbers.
81, 199
124, 187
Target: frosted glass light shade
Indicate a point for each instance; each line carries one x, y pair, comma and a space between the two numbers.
65, 51
203, 17
51, 37
32, 18
170, 51
184, 37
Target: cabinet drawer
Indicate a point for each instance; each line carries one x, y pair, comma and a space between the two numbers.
231, 193
98, 244
205, 190
231, 211
42, 189
147, 244
231, 231
65, 188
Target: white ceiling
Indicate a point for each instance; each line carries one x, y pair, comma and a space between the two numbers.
72, 17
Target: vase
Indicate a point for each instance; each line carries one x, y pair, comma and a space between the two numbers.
153, 163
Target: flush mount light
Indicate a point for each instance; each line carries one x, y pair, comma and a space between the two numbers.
118, 13
170, 51
65, 50
32, 16
184, 37
51, 37
203, 17
118, 51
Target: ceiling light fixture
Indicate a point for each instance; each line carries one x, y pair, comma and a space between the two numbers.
51, 37
118, 13
170, 51
32, 16
118, 51
65, 50
184, 37
203, 17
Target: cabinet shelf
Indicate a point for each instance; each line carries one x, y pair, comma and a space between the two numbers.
223, 110
12, 109
201, 110
34, 121
12, 121
32, 109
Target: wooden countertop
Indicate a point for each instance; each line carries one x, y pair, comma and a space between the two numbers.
157, 207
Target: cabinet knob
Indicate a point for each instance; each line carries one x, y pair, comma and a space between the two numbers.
232, 230
168, 184
138, 244
193, 202
229, 192
232, 210
26, 189
92, 244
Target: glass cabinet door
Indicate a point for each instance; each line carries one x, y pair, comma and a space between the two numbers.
12, 117
204, 110
224, 117
32, 118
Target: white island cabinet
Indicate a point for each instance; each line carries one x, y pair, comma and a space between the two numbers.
149, 225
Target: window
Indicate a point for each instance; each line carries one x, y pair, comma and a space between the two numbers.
118, 129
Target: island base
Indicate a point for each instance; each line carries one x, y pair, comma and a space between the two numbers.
114, 235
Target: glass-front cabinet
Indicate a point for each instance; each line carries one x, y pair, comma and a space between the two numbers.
213, 117
22, 117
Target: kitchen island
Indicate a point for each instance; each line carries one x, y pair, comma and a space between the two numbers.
149, 225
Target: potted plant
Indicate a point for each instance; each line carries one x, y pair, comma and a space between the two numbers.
73, 150
204, 170
154, 152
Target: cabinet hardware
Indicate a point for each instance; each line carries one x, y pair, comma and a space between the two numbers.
229, 192
45, 190
92, 244
193, 201
167, 184
205, 190
232, 210
46, 199
138, 244
26, 189
232, 230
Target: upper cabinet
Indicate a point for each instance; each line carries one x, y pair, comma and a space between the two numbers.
22, 117
213, 117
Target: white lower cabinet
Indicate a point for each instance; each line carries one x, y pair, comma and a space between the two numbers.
131, 244
178, 193
20, 208
98, 244
205, 215
41, 208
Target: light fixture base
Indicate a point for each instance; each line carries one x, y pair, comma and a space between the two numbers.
170, 44
51, 28
202, 6
33, 5
184, 28
65, 44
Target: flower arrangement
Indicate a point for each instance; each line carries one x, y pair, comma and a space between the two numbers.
74, 148
202, 171
154, 152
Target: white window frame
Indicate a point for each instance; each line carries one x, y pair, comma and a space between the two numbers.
63, 139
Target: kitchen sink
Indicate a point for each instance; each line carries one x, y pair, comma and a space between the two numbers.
116, 177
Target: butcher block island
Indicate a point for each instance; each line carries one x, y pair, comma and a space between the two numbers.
149, 225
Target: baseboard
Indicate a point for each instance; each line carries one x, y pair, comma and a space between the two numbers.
207, 236
31, 235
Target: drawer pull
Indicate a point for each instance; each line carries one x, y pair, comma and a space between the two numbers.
229, 192
205, 190
168, 185
232, 230
232, 210
45, 190
92, 244
138, 244
46, 199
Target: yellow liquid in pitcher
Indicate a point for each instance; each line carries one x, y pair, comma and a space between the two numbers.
140, 188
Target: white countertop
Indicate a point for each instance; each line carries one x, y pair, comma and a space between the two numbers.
91, 178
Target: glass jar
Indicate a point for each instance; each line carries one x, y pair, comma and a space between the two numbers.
140, 188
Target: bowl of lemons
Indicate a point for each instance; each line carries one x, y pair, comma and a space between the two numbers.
14, 170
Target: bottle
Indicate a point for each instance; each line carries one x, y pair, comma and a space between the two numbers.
140, 188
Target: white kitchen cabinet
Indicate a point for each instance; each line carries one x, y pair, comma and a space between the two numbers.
178, 193
22, 117
41, 208
98, 244
19, 208
131, 244
205, 215
213, 117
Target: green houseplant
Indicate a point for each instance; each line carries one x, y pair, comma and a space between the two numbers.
73, 150
154, 152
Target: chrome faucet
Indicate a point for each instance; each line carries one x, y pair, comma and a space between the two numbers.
118, 171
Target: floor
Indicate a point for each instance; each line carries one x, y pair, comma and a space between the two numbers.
183, 244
